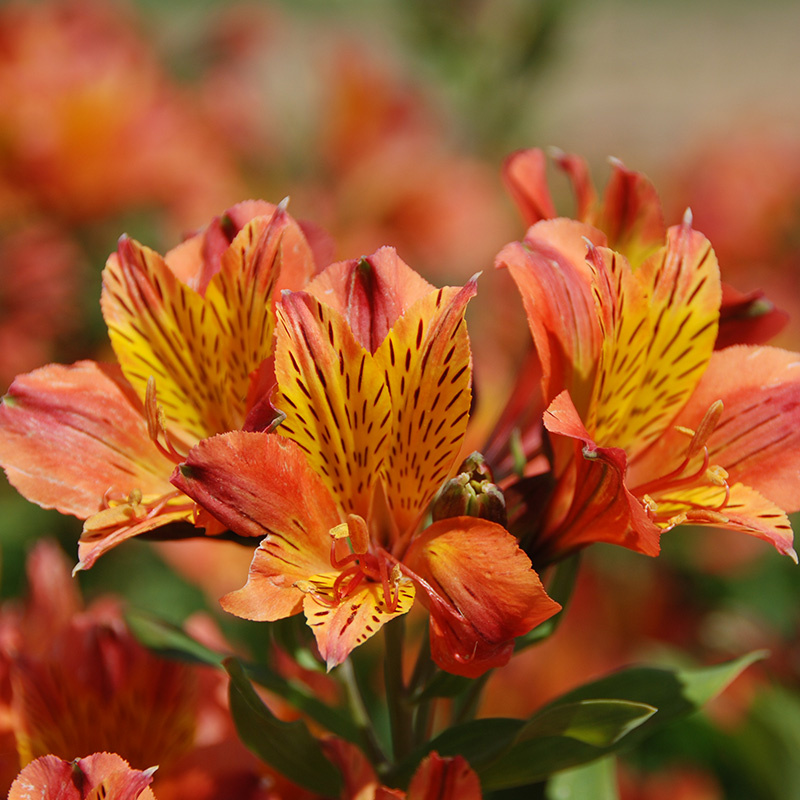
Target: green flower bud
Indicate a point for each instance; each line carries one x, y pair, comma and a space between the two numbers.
472, 493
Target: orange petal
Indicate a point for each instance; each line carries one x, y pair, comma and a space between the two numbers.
682, 282
360, 780
336, 403
592, 501
554, 280
70, 435
631, 214
260, 484
371, 293
480, 590
440, 778
102, 776
525, 177
426, 364
112, 526
340, 627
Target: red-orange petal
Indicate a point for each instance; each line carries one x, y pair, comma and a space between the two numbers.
439, 778
525, 176
593, 503
261, 485
481, 592
552, 276
631, 215
101, 776
71, 434
371, 293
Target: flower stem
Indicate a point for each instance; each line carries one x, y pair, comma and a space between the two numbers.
360, 714
396, 692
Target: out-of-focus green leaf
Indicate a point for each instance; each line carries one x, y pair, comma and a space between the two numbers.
170, 640
288, 747
595, 781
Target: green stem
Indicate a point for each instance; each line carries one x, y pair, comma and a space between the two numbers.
396, 692
360, 714
469, 702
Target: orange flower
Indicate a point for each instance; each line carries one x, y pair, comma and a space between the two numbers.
649, 426
373, 371
191, 333
101, 775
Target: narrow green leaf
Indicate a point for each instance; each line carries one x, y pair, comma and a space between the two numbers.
595, 781
289, 747
169, 640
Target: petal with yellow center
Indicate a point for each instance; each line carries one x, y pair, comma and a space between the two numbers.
371, 293
73, 436
739, 508
426, 364
200, 351
480, 590
339, 626
622, 303
757, 437
261, 485
682, 281
334, 397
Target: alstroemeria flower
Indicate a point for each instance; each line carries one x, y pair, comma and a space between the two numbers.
650, 427
374, 380
101, 776
190, 331
630, 214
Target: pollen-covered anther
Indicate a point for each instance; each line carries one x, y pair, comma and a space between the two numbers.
339, 532
650, 505
717, 475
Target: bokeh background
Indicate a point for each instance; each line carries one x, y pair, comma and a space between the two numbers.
386, 122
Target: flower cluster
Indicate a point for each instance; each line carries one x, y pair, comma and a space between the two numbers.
318, 413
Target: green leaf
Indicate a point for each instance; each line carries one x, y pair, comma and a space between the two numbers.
169, 640
595, 781
674, 693
564, 735
600, 723
289, 747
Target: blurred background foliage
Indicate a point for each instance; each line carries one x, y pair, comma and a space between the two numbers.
386, 123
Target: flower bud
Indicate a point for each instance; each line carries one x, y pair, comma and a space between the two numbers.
471, 493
